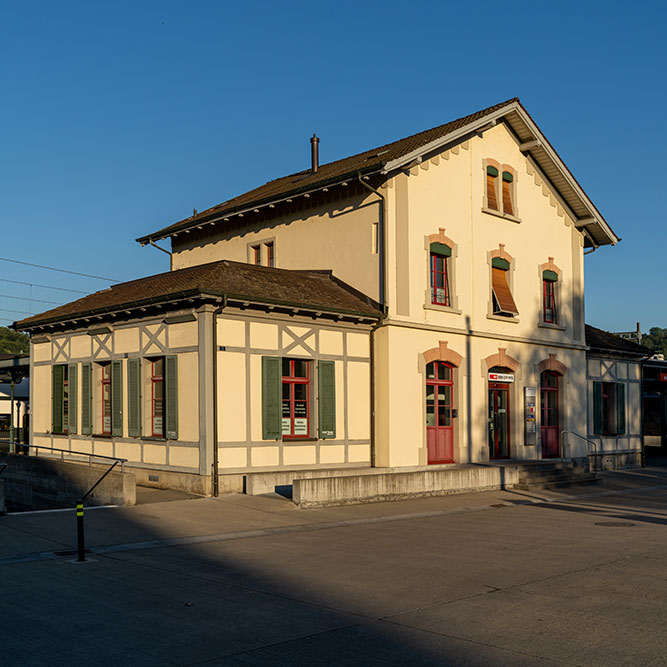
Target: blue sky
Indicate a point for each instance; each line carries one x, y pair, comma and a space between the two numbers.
120, 118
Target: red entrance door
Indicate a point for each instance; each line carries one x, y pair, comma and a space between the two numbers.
549, 414
439, 430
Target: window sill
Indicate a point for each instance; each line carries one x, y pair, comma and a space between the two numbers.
500, 318
150, 438
548, 325
297, 439
442, 309
500, 214
107, 436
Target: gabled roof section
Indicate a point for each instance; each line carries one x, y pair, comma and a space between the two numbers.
314, 291
603, 341
398, 154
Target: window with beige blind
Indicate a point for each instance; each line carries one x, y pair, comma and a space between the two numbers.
500, 190
503, 301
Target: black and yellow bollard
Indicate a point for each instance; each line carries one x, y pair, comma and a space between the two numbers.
80, 543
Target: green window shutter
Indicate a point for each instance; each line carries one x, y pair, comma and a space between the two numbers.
550, 275
117, 398
499, 263
171, 395
507, 177
57, 396
86, 399
72, 386
326, 374
620, 409
441, 249
271, 398
597, 408
492, 171
134, 398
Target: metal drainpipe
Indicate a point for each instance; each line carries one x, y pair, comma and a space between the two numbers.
381, 251
381, 295
216, 465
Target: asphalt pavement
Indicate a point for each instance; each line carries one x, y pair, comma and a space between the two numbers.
575, 576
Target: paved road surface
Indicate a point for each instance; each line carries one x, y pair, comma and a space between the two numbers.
575, 577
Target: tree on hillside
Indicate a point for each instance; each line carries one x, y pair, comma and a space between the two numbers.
656, 340
13, 342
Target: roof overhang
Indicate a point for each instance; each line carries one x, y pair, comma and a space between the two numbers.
213, 217
537, 148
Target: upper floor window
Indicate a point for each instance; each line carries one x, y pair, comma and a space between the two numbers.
262, 253
503, 301
549, 310
439, 270
105, 381
270, 255
500, 189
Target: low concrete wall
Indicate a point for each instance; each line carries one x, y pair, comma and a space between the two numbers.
36, 483
365, 488
268, 482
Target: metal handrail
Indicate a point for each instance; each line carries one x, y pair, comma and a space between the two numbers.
595, 446
88, 454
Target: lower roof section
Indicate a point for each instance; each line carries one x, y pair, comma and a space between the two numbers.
319, 292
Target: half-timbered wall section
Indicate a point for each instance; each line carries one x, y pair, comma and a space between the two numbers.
148, 430
299, 435
614, 420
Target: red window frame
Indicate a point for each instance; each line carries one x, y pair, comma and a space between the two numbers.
106, 399
549, 301
439, 280
291, 404
270, 254
257, 254
157, 404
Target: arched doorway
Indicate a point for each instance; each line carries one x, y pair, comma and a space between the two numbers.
439, 397
549, 381
500, 380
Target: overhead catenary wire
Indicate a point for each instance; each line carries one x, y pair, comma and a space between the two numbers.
62, 289
25, 298
52, 268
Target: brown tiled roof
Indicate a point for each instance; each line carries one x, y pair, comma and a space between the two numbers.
367, 162
314, 290
597, 339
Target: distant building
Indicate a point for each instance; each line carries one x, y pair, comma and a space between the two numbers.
635, 335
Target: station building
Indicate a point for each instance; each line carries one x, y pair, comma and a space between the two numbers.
418, 304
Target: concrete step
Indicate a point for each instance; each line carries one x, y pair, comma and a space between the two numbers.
575, 481
552, 476
546, 465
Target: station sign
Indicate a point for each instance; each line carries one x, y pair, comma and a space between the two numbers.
501, 377
663, 377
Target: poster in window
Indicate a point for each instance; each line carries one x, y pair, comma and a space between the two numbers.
300, 410
287, 426
300, 427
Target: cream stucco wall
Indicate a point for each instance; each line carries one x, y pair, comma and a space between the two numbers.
401, 439
302, 240
447, 191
